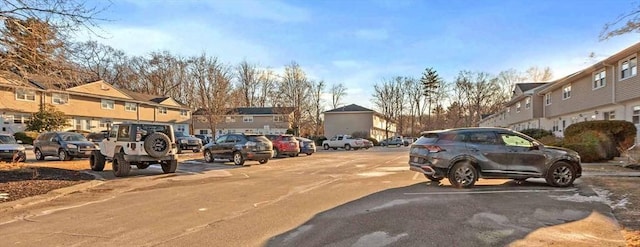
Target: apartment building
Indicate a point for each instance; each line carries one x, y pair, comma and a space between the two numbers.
257, 120
607, 90
354, 118
90, 107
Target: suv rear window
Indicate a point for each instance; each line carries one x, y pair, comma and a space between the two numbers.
428, 138
257, 138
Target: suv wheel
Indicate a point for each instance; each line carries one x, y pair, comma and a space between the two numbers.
157, 145
169, 166
63, 155
39, 155
208, 157
238, 159
560, 174
96, 161
432, 178
263, 161
276, 153
120, 166
463, 175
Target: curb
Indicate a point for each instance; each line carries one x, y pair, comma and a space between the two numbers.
51, 195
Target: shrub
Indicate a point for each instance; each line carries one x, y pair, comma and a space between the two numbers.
591, 145
618, 132
551, 141
360, 134
588, 151
373, 140
537, 133
26, 137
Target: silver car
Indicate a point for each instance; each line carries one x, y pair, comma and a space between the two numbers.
466, 154
11, 150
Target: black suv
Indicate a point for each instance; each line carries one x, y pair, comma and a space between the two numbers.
187, 142
238, 148
64, 145
466, 154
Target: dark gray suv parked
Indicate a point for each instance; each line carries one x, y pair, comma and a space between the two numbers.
64, 145
466, 154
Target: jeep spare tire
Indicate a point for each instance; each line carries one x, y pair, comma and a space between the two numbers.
157, 145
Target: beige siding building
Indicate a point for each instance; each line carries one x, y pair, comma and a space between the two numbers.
354, 118
257, 120
90, 107
607, 90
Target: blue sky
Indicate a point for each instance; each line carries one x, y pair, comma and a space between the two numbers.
360, 42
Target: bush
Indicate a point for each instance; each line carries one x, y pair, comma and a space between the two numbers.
588, 151
360, 134
537, 133
318, 140
618, 133
373, 140
551, 141
26, 137
591, 145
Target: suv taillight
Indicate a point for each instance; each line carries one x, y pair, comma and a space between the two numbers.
433, 148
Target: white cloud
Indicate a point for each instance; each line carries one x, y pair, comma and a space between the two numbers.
372, 34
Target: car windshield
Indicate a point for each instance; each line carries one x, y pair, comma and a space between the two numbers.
73, 137
180, 134
7, 140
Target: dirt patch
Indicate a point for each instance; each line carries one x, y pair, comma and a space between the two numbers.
18, 182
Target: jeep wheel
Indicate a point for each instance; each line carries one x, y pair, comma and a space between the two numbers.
463, 175
238, 159
63, 155
143, 165
560, 174
96, 161
157, 145
39, 155
208, 157
120, 166
263, 161
169, 166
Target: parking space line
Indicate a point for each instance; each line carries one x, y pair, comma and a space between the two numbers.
489, 192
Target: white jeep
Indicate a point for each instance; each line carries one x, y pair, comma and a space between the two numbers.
140, 145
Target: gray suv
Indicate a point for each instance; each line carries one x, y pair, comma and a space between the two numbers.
466, 154
64, 145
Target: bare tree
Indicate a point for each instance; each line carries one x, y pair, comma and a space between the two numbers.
383, 99
430, 84
536, 74
267, 88
317, 107
248, 82
99, 61
213, 86
476, 95
294, 88
625, 23
337, 91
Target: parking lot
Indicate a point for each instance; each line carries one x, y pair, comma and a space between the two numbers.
338, 198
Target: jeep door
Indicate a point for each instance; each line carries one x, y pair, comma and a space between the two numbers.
483, 146
524, 154
109, 143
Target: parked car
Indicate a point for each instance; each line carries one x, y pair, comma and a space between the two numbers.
97, 137
11, 150
204, 138
347, 142
307, 146
239, 148
466, 154
187, 142
284, 145
64, 145
397, 141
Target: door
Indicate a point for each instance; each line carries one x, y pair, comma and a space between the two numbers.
217, 148
109, 143
525, 154
484, 146
229, 145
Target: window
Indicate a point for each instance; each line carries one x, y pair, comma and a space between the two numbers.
20, 119
515, 141
123, 133
23, 94
518, 107
162, 110
611, 115
230, 119
278, 118
636, 115
547, 99
566, 92
482, 138
108, 104
204, 132
527, 103
184, 113
599, 79
128, 106
247, 119
555, 126
104, 123
78, 124
628, 67
59, 99
180, 128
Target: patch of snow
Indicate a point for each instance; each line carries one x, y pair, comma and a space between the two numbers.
602, 197
378, 239
4, 196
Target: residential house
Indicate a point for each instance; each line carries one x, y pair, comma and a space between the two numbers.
607, 90
257, 120
90, 106
354, 118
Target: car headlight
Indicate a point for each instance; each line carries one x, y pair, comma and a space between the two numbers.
183, 141
71, 146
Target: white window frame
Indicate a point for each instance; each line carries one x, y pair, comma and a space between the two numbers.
247, 119
229, 119
130, 106
108, 104
163, 110
566, 92
184, 113
25, 94
278, 118
632, 66
527, 103
547, 99
635, 114
518, 107
599, 79
59, 98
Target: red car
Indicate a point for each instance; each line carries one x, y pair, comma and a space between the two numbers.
284, 145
